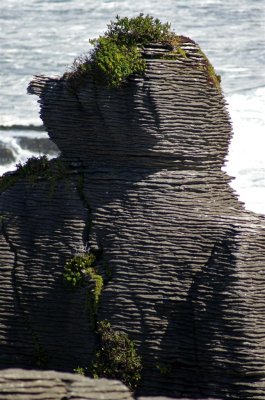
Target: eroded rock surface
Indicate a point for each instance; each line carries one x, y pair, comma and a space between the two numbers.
187, 261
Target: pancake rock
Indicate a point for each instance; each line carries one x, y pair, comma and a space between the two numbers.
19, 384
146, 192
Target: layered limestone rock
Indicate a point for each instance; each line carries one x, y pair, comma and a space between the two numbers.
19, 384
187, 261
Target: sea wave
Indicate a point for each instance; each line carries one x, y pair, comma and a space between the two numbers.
246, 160
20, 142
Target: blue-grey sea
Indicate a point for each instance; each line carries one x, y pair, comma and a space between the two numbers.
44, 37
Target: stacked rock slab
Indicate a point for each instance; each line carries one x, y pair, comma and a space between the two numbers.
187, 261
19, 384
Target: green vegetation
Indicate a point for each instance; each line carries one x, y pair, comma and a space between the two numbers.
30, 170
77, 269
81, 271
117, 357
113, 62
33, 169
79, 370
118, 54
139, 30
206, 66
93, 298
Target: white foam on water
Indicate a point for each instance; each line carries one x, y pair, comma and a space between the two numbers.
246, 160
9, 139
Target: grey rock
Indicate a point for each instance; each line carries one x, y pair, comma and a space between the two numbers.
19, 384
187, 260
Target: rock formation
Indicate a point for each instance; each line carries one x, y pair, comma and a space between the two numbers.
146, 192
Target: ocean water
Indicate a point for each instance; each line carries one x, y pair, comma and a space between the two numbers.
44, 37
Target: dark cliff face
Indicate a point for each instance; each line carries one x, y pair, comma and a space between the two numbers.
187, 261
42, 323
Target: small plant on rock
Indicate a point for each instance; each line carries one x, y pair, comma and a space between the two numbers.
81, 271
113, 62
79, 371
76, 270
117, 357
139, 30
117, 55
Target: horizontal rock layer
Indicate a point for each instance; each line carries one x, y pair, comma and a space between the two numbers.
18, 384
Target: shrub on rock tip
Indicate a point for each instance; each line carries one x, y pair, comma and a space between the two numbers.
117, 55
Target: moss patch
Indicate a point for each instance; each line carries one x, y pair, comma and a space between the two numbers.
117, 357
